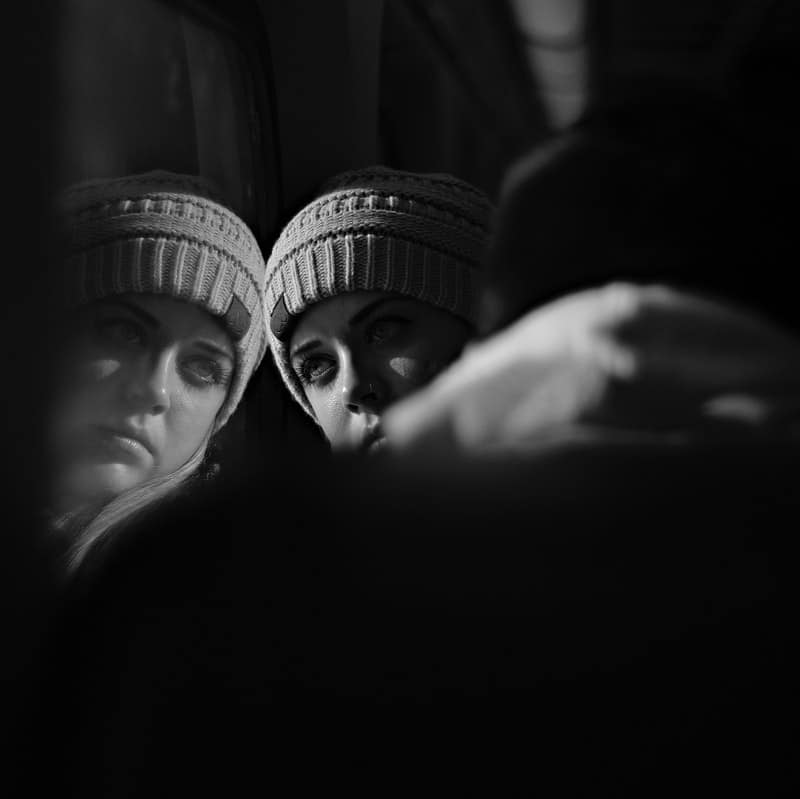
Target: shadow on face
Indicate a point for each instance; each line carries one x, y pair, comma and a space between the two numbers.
143, 379
357, 353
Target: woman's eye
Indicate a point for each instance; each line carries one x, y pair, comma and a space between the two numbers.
314, 369
205, 371
386, 329
121, 331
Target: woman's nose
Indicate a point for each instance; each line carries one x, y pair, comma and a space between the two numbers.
148, 389
363, 390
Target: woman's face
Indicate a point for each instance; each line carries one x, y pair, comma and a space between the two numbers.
357, 353
144, 378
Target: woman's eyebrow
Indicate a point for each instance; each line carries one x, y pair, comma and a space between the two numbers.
305, 346
356, 318
364, 312
145, 317
214, 349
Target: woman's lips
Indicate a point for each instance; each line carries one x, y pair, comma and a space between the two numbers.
374, 444
120, 442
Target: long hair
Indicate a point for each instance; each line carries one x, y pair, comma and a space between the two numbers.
104, 525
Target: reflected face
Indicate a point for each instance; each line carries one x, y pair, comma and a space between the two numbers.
144, 378
357, 353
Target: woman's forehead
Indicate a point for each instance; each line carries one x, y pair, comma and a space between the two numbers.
174, 317
332, 316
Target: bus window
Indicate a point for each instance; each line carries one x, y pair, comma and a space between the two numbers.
439, 105
155, 85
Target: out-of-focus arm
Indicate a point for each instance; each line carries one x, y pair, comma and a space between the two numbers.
620, 363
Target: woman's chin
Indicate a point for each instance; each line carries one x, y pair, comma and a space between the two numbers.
100, 482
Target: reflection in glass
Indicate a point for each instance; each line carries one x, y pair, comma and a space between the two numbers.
145, 86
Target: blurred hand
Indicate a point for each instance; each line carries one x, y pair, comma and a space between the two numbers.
618, 363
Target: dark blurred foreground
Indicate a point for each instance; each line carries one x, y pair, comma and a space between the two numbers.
598, 620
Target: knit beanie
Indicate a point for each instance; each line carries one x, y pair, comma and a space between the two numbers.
163, 233
378, 229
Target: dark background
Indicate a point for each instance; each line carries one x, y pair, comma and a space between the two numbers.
636, 622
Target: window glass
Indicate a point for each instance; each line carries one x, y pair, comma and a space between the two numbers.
153, 85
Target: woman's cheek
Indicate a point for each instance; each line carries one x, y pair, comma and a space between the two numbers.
99, 369
196, 408
413, 369
330, 412
87, 395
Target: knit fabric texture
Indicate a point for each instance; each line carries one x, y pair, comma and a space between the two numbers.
378, 229
163, 233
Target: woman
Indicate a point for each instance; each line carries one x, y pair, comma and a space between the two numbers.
166, 285
372, 290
